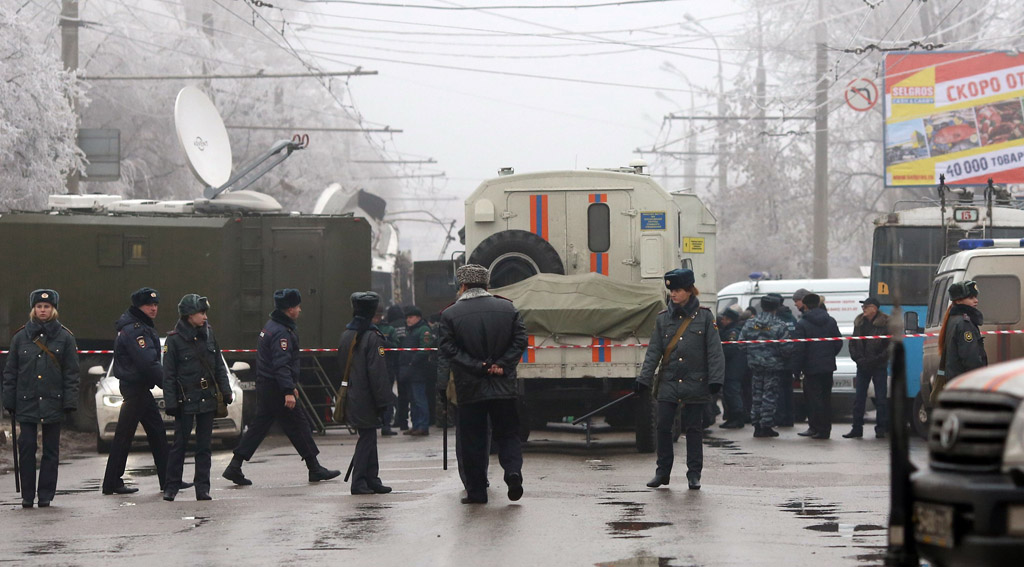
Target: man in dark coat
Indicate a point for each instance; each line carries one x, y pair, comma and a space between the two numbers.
817, 362
369, 389
736, 370
872, 358
138, 369
388, 331
416, 370
40, 387
784, 414
693, 371
482, 338
277, 376
395, 317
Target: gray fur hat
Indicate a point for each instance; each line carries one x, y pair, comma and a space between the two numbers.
472, 274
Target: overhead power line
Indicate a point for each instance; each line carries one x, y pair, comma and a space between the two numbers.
496, 7
357, 72
386, 129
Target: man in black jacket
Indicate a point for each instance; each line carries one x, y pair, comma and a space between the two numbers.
817, 362
872, 358
729, 327
138, 369
277, 376
481, 338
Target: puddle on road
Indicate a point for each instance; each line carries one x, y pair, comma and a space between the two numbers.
628, 530
722, 443
196, 521
90, 485
844, 530
622, 489
811, 508
827, 513
47, 548
598, 465
641, 561
141, 471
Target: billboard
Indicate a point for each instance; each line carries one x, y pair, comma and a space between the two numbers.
957, 114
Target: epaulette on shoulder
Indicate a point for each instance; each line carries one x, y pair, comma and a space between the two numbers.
18, 330
501, 297
966, 317
447, 306
68, 330
705, 308
137, 325
174, 332
380, 333
662, 311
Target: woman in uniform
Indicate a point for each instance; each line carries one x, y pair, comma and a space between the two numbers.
40, 388
194, 371
961, 346
693, 368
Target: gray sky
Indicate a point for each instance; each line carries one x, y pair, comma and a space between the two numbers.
473, 122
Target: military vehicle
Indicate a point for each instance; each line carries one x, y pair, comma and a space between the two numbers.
615, 223
233, 245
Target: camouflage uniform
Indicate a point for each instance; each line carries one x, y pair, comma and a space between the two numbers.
767, 363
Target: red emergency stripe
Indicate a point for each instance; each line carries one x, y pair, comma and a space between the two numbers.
539, 215
530, 355
599, 263
601, 350
598, 197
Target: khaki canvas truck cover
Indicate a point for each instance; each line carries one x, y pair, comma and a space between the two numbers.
585, 304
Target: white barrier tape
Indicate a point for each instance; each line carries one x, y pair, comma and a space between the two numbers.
630, 345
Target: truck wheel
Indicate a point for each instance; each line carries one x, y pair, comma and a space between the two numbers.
920, 417
646, 423
514, 255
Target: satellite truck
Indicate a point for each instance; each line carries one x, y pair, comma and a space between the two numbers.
582, 255
234, 245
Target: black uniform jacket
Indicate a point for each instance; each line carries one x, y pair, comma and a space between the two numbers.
35, 387
735, 357
870, 354
188, 383
137, 352
697, 359
480, 328
816, 357
369, 386
277, 353
965, 347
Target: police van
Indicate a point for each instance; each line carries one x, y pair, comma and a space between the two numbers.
594, 245
841, 296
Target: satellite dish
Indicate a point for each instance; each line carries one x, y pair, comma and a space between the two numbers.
202, 134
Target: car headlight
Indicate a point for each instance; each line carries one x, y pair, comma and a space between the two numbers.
112, 401
1013, 451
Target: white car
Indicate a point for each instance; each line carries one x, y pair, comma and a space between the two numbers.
108, 406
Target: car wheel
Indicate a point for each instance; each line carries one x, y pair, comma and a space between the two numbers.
102, 447
920, 416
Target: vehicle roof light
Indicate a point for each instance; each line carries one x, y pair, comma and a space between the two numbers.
758, 276
974, 243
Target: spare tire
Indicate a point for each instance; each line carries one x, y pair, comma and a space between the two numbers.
514, 255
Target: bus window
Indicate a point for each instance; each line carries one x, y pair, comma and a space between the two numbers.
598, 227
1002, 291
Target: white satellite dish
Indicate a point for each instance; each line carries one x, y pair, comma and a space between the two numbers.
202, 133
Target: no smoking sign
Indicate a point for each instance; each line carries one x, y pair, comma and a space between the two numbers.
861, 94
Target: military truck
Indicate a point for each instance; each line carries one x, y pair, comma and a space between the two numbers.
95, 259
616, 223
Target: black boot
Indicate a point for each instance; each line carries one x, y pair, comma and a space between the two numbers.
318, 472
693, 480
234, 472
658, 480
169, 494
855, 433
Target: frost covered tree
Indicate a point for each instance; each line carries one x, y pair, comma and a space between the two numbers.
37, 122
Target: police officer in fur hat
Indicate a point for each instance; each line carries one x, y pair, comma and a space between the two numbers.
369, 389
40, 387
277, 393
961, 345
692, 369
138, 369
767, 362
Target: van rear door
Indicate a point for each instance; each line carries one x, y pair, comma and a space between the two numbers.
599, 233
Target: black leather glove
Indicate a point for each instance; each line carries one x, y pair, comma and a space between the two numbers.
715, 388
173, 412
639, 387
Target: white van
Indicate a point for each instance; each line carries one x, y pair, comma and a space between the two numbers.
841, 296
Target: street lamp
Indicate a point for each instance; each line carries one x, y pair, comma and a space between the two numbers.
721, 103
690, 164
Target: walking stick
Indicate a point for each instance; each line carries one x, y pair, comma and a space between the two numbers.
444, 440
14, 445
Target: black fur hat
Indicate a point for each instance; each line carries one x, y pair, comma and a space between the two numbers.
287, 298
145, 296
192, 303
679, 278
963, 290
771, 302
364, 304
43, 296
411, 310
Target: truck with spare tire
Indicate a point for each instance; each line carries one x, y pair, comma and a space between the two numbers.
582, 255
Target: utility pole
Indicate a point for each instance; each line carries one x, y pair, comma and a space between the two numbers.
69, 56
762, 79
820, 236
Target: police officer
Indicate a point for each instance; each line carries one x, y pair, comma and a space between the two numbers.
784, 414
138, 369
40, 387
277, 375
369, 389
387, 330
694, 370
195, 371
961, 346
395, 317
767, 362
729, 328
415, 368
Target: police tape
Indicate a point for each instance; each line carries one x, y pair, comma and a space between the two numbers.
627, 345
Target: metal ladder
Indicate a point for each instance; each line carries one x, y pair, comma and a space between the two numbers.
316, 394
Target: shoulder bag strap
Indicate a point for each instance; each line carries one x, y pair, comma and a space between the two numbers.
206, 365
40, 344
348, 361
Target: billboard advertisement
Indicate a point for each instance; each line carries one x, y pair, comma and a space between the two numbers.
957, 114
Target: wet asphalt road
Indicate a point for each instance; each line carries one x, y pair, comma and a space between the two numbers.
784, 501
